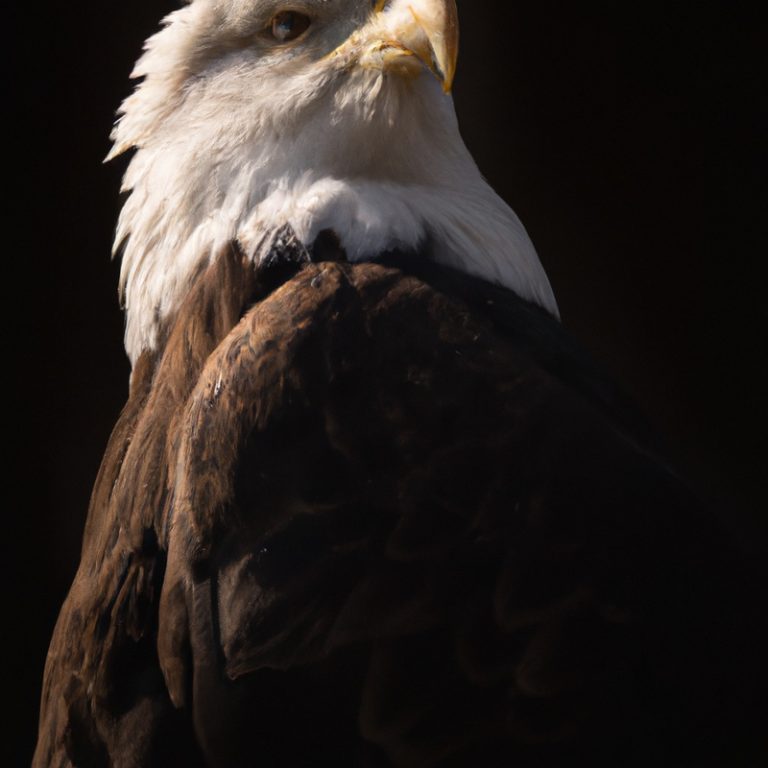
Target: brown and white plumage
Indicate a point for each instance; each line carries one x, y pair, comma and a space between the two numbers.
365, 509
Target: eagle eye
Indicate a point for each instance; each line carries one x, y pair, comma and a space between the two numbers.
288, 25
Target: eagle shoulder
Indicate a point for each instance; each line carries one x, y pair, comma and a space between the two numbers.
368, 514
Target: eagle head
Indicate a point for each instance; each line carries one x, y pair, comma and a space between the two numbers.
318, 114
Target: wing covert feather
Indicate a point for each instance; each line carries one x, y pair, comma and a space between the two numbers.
372, 474
368, 520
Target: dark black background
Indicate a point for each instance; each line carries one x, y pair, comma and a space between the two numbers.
630, 140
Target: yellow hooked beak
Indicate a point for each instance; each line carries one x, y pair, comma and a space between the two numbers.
426, 31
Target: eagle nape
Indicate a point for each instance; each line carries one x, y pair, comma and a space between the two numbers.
368, 503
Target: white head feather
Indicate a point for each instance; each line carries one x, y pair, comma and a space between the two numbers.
238, 136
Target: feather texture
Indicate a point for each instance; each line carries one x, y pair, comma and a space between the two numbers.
356, 521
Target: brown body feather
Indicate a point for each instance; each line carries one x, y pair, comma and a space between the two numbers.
356, 521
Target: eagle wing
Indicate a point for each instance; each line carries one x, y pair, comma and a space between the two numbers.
357, 520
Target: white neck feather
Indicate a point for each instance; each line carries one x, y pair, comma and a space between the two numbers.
380, 178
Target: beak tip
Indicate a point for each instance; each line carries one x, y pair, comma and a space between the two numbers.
446, 69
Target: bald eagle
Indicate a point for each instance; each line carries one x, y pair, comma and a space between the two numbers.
368, 504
